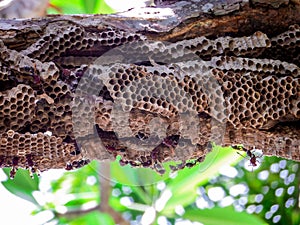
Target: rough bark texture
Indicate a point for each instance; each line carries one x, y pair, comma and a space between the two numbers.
168, 81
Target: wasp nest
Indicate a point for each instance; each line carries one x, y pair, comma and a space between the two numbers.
35, 151
169, 104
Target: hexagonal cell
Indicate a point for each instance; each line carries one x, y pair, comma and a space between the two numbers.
27, 155
18, 107
52, 44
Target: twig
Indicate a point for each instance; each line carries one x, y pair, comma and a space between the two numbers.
105, 190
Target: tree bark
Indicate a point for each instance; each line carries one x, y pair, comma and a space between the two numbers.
236, 61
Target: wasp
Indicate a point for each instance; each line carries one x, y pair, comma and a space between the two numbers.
250, 153
146, 161
134, 163
14, 168
34, 73
1, 160
31, 167
123, 162
77, 164
159, 168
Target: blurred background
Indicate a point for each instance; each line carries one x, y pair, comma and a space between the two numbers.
223, 189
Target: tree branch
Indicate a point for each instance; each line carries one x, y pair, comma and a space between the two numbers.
250, 50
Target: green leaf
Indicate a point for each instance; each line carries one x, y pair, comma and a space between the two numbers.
82, 198
136, 178
114, 202
79, 7
90, 5
104, 8
296, 216
183, 187
95, 218
76, 181
127, 175
65, 7
217, 216
22, 185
